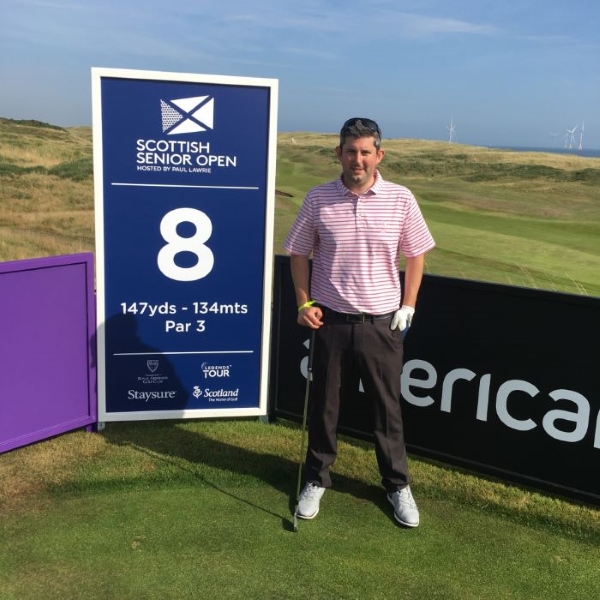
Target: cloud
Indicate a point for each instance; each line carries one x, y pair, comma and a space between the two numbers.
312, 53
414, 26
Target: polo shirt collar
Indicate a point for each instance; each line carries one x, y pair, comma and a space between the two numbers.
374, 189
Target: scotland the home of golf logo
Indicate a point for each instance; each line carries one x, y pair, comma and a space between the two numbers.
187, 115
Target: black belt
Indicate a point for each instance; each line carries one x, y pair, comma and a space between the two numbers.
353, 317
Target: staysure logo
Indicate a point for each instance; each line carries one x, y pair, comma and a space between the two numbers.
147, 396
187, 115
420, 375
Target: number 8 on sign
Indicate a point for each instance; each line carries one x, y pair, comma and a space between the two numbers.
193, 244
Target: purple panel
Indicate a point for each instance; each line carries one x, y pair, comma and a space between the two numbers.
47, 334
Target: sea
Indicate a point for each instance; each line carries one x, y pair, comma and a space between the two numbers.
565, 151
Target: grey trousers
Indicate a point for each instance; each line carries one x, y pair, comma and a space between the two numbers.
343, 352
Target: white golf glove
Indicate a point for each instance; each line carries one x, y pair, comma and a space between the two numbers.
402, 318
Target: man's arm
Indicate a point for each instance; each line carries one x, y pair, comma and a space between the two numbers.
413, 275
310, 316
300, 277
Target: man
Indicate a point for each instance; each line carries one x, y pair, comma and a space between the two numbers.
356, 227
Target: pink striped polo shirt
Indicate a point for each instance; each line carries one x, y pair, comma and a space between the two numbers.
356, 242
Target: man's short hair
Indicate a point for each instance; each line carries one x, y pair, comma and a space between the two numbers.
358, 127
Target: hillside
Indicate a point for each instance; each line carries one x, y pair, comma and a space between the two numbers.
528, 219
46, 190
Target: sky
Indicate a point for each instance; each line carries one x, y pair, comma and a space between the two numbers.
511, 73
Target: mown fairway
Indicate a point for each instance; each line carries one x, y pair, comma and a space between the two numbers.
202, 509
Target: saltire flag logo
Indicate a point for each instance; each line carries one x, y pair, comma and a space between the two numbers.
187, 115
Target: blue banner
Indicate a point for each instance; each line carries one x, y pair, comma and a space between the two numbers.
184, 169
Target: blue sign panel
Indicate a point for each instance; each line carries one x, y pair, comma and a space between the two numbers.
184, 173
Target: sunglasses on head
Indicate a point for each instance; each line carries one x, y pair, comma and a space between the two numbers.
367, 123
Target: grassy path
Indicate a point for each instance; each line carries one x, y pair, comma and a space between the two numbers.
203, 509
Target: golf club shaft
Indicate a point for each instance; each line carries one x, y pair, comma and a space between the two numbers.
305, 412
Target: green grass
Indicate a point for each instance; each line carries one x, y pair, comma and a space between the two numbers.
203, 509
527, 244
77, 170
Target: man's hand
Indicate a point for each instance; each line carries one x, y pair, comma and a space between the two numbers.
402, 318
310, 317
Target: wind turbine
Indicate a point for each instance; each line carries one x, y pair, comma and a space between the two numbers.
451, 131
553, 136
581, 136
571, 137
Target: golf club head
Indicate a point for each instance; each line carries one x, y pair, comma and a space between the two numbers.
295, 519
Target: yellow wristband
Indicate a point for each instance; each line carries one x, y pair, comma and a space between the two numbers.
306, 305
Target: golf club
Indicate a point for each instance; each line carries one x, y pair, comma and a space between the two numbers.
304, 414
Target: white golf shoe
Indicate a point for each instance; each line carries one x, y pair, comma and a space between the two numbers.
308, 502
405, 507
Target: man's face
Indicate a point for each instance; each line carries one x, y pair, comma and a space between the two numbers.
359, 158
